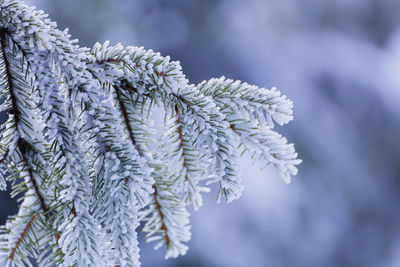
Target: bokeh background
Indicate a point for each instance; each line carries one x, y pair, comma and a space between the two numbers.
339, 61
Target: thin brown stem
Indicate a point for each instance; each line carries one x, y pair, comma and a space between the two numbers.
19, 47
163, 226
23, 146
126, 120
134, 90
111, 60
73, 210
117, 61
234, 130
132, 137
161, 74
180, 136
14, 108
28, 225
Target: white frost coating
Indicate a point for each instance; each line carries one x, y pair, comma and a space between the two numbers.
38, 235
144, 70
52, 58
261, 104
211, 134
12, 231
270, 147
148, 73
3, 184
166, 219
251, 112
124, 183
187, 164
78, 134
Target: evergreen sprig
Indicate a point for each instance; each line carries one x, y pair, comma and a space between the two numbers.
78, 146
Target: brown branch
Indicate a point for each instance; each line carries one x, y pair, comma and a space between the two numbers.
73, 210
132, 137
14, 249
180, 135
234, 130
9, 34
23, 146
14, 108
163, 226
113, 60
126, 120
182, 99
110, 60
134, 90
161, 74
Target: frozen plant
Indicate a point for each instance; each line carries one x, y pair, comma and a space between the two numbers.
76, 144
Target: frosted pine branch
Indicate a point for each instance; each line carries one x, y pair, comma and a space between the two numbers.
79, 144
251, 112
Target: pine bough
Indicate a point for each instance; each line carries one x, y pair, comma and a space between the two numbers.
76, 146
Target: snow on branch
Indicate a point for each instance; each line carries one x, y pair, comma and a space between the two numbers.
79, 145
251, 112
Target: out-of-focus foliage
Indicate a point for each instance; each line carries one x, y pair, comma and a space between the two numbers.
339, 62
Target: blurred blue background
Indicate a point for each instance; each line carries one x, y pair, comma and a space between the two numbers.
339, 61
